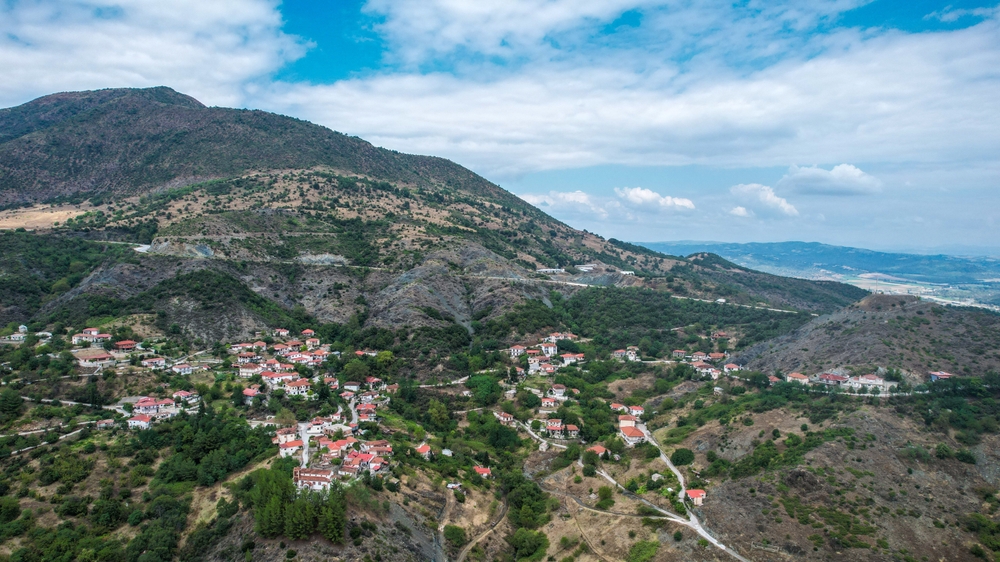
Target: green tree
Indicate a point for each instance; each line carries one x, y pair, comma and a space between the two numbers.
11, 403
332, 521
300, 519
455, 535
681, 457
270, 522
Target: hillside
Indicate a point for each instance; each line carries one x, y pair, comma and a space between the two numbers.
888, 331
302, 216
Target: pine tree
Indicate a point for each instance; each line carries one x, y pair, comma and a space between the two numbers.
300, 519
271, 522
332, 521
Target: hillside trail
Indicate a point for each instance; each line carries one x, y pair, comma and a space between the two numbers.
468, 548
691, 522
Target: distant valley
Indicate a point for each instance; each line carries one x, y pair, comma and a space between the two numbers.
972, 280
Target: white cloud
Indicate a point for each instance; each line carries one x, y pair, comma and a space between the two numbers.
843, 179
949, 14
567, 202
647, 199
740, 212
215, 51
763, 199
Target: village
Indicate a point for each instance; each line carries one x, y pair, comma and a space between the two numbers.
335, 447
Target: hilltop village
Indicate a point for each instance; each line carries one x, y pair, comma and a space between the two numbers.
337, 446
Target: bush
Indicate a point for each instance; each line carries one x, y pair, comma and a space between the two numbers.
678, 536
682, 457
965, 456
455, 535
589, 470
643, 551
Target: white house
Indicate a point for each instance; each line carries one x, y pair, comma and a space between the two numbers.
315, 479
632, 436
141, 421
516, 351
155, 363
548, 349
182, 369
289, 448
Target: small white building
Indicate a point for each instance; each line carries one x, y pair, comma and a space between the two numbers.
141, 421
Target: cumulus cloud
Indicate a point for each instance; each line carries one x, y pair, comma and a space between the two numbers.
763, 199
740, 212
843, 179
218, 52
648, 199
567, 201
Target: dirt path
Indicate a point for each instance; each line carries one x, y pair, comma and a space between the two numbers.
468, 548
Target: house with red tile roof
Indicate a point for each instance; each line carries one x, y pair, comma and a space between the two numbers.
289, 448
483, 471
797, 377
424, 451
631, 435
315, 479
141, 421
697, 497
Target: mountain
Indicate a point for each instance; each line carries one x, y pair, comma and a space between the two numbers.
305, 217
814, 259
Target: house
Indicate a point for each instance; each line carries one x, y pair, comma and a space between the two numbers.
299, 387
716, 356
352, 386
715, 374
636, 411
274, 380
831, 379
347, 395
632, 436
182, 369
312, 343
572, 431
155, 363
150, 405
504, 418
731, 367
626, 420
547, 368
558, 390
185, 396
568, 358
597, 449
797, 377
97, 360
289, 448
699, 356
424, 451
719, 335
941, 375
697, 497
248, 370
548, 402
483, 471
91, 331
126, 345
141, 421
618, 354
375, 383
870, 382
308, 333
105, 424
718, 391
631, 353
619, 407
678, 354
281, 349
771, 379
249, 394
548, 349
281, 333
315, 479
516, 351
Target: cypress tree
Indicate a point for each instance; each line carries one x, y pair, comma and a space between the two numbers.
332, 521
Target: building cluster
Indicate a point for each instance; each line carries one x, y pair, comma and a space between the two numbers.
628, 419
545, 357
707, 364
150, 409
630, 353
862, 383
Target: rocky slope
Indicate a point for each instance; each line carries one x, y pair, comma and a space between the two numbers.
888, 331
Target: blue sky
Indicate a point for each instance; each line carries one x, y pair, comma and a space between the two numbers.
867, 123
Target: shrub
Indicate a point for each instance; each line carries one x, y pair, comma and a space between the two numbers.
682, 457
678, 536
455, 535
965, 456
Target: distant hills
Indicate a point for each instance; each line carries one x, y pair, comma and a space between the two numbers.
814, 260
